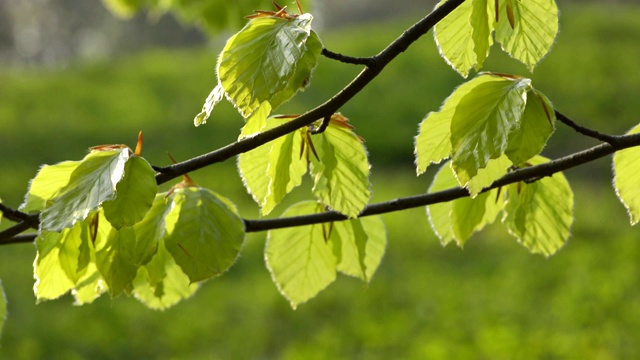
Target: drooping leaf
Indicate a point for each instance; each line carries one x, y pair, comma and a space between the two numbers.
300, 259
204, 232
484, 120
540, 214
341, 175
152, 228
457, 220
361, 243
90, 287
266, 60
626, 180
3, 307
215, 96
527, 29
117, 259
257, 121
91, 183
49, 180
134, 194
495, 169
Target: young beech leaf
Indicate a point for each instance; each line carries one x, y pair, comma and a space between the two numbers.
495, 169
117, 259
215, 96
540, 214
626, 168
527, 29
268, 60
49, 180
272, 170
161, 283
3, 307
457, 220
204, 232
300, 259
359, 245
134, 194
483, 121
91, 183
90, 287
464, 36
341, 171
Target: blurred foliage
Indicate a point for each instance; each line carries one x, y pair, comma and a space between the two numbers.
491, 300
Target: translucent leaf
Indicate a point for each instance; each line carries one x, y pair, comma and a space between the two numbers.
216, 95
536, 126
56, 263
266, 60
3, 307
204, 233
300, 259
464, 36
91, 183
540, 214
152, 228
162, 292
117, 260
495, 169
484, 120
361, 243
90, 287
527, 29
626, 168
457, 220
257, 121
341, 177
49, 180
272, 170
433, 143
134, 194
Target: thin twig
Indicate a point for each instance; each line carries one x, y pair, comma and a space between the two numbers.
366, 61
15, 215
585, 131
323, 126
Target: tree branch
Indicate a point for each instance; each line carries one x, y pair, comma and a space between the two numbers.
585, 131
367, 61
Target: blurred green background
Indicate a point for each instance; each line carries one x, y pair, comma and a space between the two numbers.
489, 300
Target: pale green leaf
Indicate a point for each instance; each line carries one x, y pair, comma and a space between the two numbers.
341, 176
536, 126
117, 260
91, 183
216, 95
204, 233
162, 292
440, 214
484, 120
257, 121
300, 259
152, 228
52, 280
361, 244
453, 35
49, 180
495, 169
134, 194
535, 26
263, 61
482, 19
626, 168
3, 308
540, 214
433, 143
90, 287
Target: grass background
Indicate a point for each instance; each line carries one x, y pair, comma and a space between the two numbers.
490, 300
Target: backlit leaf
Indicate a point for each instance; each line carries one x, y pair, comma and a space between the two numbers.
204, 232
495, 169
91, 183
49, 180
361, 244
117, 260
484, 120
626, 169
215, 96
90, 287
540, 214
300, 259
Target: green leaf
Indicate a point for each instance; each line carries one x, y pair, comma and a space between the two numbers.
540, 214
272, 170
134, 194
626, 180
3, 308
49, 180
536, 126
204, 233
495, 169
117, 259
300, 259
215, 96
484, 120
268, 61
457, 220
257, 121
361, 243
53, 265
341, 176
90, 287
91, 183
152, 228
433, 143
528, 33
162, 292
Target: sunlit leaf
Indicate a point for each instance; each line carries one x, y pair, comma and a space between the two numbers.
215, 96
484, 120
3, 307
529, 31
361, 243
540, 214
49, 180
300, 259
341, 175
204, 233
117, 259
257, 121
56, 264
91, 183
495, 169
626, 169
90, 287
